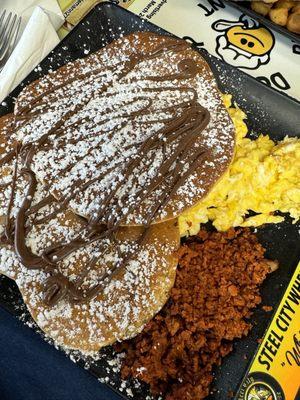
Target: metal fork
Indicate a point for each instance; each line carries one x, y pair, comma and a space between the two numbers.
9, 30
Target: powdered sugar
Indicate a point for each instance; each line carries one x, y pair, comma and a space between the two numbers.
87, 150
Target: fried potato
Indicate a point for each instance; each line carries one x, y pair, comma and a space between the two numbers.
261, 7
279, 16
288, 4
293, 22
296, 9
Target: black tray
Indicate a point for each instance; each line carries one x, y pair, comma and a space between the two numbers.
268, 112
244, 6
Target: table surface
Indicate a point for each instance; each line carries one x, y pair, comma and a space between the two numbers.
31, 369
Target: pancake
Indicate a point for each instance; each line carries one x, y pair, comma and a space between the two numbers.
108, 126
83, 294
105, 153
134, 295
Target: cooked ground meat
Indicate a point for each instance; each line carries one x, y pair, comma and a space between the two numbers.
217, 285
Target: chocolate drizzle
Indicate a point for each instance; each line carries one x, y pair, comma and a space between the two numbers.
179, 135
27, 258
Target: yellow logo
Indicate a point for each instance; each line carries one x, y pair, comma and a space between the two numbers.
260, 386
243, 43
260, 391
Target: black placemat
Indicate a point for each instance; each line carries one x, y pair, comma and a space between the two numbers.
268, 112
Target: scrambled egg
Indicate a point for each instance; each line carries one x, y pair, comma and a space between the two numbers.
263, 177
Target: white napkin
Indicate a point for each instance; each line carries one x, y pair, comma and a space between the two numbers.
40, 20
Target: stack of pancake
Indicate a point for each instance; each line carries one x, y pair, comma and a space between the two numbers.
97, 162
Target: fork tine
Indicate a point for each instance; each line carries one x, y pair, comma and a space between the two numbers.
8, 38
2, 17
4, 29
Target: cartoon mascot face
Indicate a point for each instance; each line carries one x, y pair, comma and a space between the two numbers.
244, 43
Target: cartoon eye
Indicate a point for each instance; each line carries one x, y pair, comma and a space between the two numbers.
243, 41
250, 44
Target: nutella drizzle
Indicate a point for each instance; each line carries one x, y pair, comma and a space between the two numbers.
180, 133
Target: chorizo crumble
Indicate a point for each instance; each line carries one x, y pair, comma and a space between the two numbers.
217, 285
